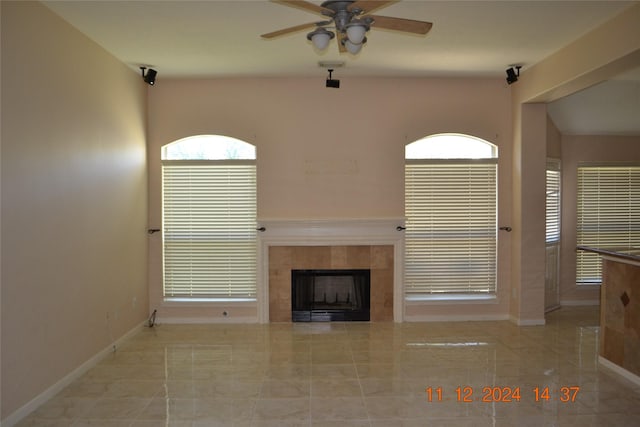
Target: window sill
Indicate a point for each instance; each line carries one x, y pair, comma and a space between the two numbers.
451, 299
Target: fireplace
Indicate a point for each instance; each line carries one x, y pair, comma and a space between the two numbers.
330, 295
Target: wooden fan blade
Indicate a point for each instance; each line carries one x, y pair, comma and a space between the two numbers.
288, 30
369, 6
401, 24
341, 47
305, 5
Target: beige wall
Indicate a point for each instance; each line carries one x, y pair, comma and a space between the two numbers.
326, 153
554, 140
575, 150
73, 201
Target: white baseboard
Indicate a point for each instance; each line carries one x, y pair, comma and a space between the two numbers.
579, 302
619, 370
49, 393
456, 318
204, 320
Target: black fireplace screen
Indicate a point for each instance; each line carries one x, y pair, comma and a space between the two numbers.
330, 295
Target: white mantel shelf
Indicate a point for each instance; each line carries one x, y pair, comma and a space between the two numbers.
321, 230
330, 232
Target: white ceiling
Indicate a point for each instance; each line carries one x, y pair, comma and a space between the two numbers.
213, 38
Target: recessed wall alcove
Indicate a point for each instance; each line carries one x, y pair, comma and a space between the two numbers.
375, 245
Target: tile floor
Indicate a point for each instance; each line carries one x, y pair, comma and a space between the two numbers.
352, 374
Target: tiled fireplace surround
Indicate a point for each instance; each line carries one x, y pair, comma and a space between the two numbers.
331, 244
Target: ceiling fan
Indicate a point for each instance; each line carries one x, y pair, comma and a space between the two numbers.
351, 20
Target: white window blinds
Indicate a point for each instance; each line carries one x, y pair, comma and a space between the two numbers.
209, 218
553, 203
450, 236
608, 214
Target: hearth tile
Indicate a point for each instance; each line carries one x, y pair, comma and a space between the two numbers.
358, 256
339, 257
311, 257
281, 256
382, 257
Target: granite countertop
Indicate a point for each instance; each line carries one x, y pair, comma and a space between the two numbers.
629, 253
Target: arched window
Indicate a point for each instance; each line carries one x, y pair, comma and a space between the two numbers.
451, 210
209, 218
209, 147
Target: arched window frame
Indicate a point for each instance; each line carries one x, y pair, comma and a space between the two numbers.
209, 219
209, 147
451, 235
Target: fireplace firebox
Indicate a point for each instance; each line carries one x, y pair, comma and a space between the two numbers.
330, 295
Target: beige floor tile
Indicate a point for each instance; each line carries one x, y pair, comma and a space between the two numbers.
349, 374
116, 408
134, 388
282, 409
285, 388
329, 370
64, 408
32, 421
338, 408
335, 387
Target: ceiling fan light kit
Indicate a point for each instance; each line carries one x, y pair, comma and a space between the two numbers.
354, 48
356, 31
350, 21
320, 37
